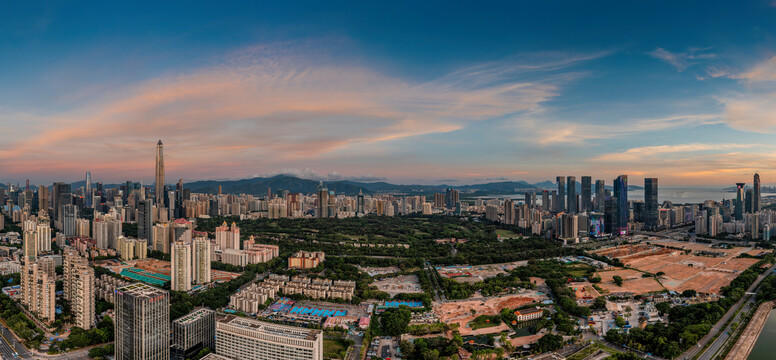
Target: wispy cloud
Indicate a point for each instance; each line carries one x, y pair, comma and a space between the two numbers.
681, 61
555, 132
660, 151
268, 105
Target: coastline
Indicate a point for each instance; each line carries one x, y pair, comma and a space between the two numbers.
745, 343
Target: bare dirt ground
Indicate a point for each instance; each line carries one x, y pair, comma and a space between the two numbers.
584, 289
463, 312
696, 270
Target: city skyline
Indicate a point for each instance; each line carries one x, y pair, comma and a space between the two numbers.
508, 92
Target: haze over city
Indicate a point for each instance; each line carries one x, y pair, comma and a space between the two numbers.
403, 92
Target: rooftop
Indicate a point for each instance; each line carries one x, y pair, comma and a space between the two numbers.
193, 316
142, 290
270, 328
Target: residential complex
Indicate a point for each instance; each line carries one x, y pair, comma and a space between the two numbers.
306, 259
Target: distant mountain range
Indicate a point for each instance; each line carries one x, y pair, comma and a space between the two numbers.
259, 186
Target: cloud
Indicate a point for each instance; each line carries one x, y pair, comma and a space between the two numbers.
681, 61
643, 153
560, 132
751, 112
762, 72
268, 105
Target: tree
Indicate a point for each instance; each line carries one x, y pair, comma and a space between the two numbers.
689, 293
595, 280
619, 321
617, 280
599, 303
549, 342
394, 322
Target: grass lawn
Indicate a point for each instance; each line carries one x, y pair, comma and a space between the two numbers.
578, 270
506, 233
482, 322
585, 352
334, 348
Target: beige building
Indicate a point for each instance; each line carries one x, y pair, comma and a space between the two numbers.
79, 288
39, 287
529, 314
243, 338
181, 267
306, 259
131, 248
234, 257
228, 238
161, 237
201, 260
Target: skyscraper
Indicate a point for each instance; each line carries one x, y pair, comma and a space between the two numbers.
561, 203
650, 203
571, 194
756, 203
623, 210
587, 202
43, 200
180, 272
88, 191
739, 210
144, 219
600, 195
142, 323
748, 200
323, 201
69, 217
159, 175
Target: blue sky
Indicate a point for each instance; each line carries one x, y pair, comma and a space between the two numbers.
399, 91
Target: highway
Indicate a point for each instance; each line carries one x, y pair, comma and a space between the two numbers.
722, 339
746, 299
9, 345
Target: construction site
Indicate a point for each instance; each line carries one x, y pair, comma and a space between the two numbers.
463, 312
684, 266
153, 271
471, 274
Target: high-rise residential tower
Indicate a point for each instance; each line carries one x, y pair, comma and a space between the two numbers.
200, 248
180, 272
571, 194
650, 203
587, 195
142, 323
756, 202
79, 288
323, 201
561, 203
159, 175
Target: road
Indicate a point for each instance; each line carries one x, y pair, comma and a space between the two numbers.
693, 351
722, 339
9, 345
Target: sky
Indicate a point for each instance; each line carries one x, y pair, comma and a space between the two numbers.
399, 91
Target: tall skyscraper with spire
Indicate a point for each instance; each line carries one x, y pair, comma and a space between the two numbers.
756, 200
88, 190
159, 175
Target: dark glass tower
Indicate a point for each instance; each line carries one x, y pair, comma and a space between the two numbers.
623, 211
559, 206
739, 211
571, 194
756, 200
650, 203
587, 202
